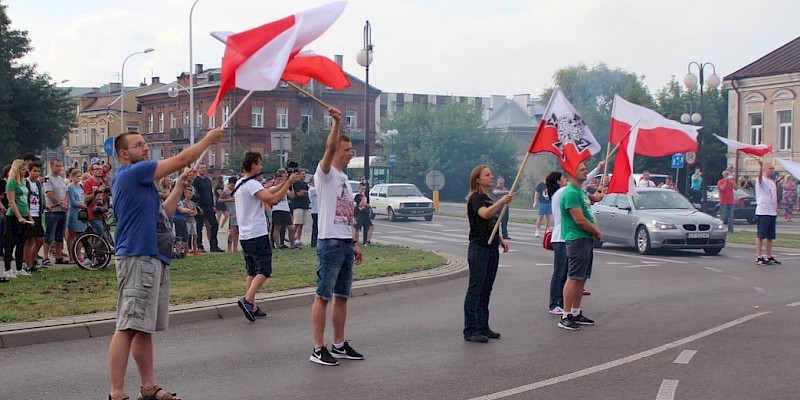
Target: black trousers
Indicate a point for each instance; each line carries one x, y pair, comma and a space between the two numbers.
210, 216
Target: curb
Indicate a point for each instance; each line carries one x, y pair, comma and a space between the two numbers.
103, 324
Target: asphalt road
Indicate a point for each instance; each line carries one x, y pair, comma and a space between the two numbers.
675, 325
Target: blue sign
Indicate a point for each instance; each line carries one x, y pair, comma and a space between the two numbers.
392, 160
677, 160
108, 146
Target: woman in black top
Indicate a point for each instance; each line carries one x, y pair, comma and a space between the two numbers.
483, 257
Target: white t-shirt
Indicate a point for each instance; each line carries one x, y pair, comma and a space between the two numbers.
59, 188
335, 204
766, 197
646, 183
35, 208
250, 210
284, 203
556, 199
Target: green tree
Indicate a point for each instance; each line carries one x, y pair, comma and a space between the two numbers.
235, 158
310, 146
34, 114
452, 138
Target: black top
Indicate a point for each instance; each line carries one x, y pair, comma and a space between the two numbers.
541, 189
299, 201
360, 214
480, 229
203, 195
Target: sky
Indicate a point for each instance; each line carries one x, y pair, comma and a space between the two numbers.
454, 47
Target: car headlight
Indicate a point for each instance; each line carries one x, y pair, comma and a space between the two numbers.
718, 225
402, 205
661, 225
430, 205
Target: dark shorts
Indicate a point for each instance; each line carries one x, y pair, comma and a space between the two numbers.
56, 222
35, 230
579, 259
257, 256
362, 222
281, 217
766, 227
181, 230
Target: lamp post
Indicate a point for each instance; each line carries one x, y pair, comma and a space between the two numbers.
122, 89
364, 59
691, 80
191, 79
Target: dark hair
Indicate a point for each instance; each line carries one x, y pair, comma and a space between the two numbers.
30, 157
250, 158
6, 168
232, 179
121, 142
35, 164
551, 182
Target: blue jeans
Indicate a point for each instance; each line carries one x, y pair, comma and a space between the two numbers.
483, 262
559, 275
334, 268
726, 212
55, 224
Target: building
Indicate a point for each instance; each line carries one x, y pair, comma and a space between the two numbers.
762, 105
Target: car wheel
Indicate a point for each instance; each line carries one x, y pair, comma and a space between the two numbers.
752, 220
643, 245
429, 217
712, 251
392, 217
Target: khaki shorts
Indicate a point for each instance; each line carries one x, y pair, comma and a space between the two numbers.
143, 299
299, 216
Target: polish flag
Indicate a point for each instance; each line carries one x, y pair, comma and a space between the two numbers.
758, 150
564, 133
255, 59
791, 167
622, 176
657, 136
306, 66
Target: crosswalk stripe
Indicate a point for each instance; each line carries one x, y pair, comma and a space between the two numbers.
407, 239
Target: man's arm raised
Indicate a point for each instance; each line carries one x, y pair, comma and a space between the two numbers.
332, 144
188, 155
273, 198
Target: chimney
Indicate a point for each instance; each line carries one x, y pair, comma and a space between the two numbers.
339, 60
155, 80
198, 69
114, 87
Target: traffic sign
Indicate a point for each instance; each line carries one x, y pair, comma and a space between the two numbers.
435, 180
691, 157
677, 160
108, 146
392, 160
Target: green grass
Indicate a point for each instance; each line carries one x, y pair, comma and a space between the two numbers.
787, 240
55, 292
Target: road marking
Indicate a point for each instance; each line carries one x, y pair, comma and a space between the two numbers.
790, 254
759, 289
639, 257
406, 239
713, 269
639, 266
504, 265
685, 357
667, 389
793, 304
736, 278
542, 264
452, 230
616, 263
618, 362
653, 262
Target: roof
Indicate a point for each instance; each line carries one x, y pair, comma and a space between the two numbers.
783, 60
102, 103
510, 115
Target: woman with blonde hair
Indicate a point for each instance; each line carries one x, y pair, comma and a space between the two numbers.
17, 218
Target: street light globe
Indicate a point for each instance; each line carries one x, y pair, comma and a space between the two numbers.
173, 91
713, 81
686, 118
690, 80
364, 57
696, 118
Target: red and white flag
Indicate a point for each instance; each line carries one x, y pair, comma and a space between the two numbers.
791, 167
658, 136
622, 176
564, 133
256, 59
306, 66
758, 150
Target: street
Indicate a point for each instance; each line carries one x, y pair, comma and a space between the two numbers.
674, 325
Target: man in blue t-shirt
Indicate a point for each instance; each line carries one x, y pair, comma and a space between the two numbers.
142, 274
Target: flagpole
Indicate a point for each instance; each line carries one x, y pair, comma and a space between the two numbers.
513, 187
611, 153
227, 121
307, 93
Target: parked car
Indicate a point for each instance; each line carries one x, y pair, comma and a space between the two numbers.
657, 218
400, 200
744, 204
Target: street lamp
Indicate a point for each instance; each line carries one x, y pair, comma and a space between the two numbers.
191, 79
364, 59
122, 89
691, 80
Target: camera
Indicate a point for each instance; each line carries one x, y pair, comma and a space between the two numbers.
100, 210
292, 167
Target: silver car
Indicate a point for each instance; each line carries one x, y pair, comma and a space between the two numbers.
657, 218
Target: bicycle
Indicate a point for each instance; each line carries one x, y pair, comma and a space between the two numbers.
94, 250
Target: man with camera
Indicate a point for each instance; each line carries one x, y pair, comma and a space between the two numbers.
300, 202
95, 194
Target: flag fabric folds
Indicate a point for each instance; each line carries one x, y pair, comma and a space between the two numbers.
758, 150
564, 133
306, 66
791, 167
622, 175
658, 136
255, 59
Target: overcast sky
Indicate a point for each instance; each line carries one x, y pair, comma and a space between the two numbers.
461, 47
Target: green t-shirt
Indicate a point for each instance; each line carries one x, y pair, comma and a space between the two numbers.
574, 197
20, 197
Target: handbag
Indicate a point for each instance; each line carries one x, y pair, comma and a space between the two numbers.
546, 240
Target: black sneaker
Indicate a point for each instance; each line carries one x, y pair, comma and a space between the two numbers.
323, 357
582, 320
761, 261
258, 313
247, 309
569, 323
478, 338
346, 352
772, 260
217, 250
490, 334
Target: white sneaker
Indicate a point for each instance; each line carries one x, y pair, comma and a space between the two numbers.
298, 243
536, 234
10, 274
557, 310
23, 272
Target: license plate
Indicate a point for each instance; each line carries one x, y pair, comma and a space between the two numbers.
698, 235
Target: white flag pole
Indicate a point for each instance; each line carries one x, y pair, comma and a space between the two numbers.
226, 122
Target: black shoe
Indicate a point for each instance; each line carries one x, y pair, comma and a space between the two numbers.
476, 338
582, 320
346, 352
761, 261
772, 260
247, 309
569, 323
258, 313
217, 250
322, 356
490, 334
201, 250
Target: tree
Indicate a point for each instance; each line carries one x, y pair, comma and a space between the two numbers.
310, 146
452, 138
34, 114
235, 158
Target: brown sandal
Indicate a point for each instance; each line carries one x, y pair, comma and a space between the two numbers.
123, 397
150, 394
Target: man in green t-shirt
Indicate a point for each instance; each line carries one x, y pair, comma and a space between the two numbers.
579, 232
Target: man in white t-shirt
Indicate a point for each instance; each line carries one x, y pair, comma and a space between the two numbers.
645, 181
337, 247
249, 196
766, 212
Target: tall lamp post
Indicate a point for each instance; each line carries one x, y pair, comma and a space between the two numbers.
691, 80
364, 59
122, 90
191, 79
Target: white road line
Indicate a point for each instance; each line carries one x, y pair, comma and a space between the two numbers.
616, 263
790, 254
759, 289
542, 264
407, 239
504, 265
653, 262
620, 361
736, 278
734, 256
452, 230
793, 304
667, 389
685, 357
639, 257
639, 266
713, 269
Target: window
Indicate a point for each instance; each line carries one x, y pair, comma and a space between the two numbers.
226, 111
150, 123
212, 122
85, 137
212, 158
75, 134
257, 117
161, 122
756, 128
328, 121
103, 135
352, 119
198, 117
173, 121
186, 118
785, 130
94, 137
305, 118
283, 118
225, 158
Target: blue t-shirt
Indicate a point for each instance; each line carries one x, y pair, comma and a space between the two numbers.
136, 207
